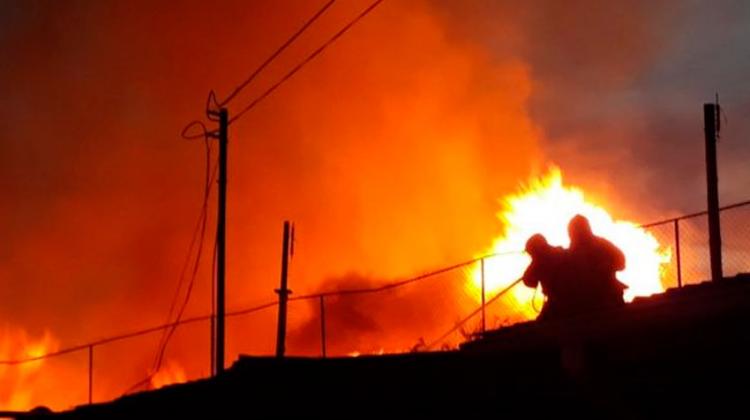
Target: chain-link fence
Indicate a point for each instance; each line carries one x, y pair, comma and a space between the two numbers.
687, 238
407, 315
434, 311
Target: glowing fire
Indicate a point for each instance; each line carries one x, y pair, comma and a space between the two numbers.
170, 373
545, 206
379, 352
18, 382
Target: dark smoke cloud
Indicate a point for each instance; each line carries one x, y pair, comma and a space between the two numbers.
619, 88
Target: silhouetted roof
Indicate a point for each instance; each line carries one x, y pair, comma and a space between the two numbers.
670, 313
677, 352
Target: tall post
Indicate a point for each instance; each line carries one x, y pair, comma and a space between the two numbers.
221, 246
677, 251
283, 292
322, 326
483, 315
91, 373
212, 328
710, 117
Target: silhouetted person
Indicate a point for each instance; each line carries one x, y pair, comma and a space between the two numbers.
548, 268
595, 262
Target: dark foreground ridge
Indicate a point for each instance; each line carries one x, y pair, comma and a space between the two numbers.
682, 352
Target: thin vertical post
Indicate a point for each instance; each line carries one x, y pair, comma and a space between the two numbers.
221, 248
484, 325
91, 373
710, 117
212, 332
283, 292
677, 251
322, 326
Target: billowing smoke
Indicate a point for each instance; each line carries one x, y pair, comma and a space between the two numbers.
388, 152
618, 92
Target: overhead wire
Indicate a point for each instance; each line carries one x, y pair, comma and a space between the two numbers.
212, 102
196, 233
262, 66
189, 290
197, 237
304, 62
206, 134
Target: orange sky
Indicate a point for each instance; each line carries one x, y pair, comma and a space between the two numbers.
389, 151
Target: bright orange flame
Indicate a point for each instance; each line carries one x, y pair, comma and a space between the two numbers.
545, 206
18, 382
379, 352
170, 373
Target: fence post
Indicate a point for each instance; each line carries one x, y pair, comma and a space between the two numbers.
283, 292
710, 118
91, 373
677, 251
322, 326
483, 296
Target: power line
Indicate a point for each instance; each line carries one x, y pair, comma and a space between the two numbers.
198, 236
212, 102
206, 134
198, 232
185, 302
202, 135
309, 58
284, 46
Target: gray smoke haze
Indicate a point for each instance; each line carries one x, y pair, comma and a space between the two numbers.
619, 88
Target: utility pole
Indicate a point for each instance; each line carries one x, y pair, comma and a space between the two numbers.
711, 118
221, 246
283, 291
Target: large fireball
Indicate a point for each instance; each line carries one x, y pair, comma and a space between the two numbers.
545, 206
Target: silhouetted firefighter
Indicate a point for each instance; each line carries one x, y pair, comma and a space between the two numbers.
547, 268
577, 280
595, 261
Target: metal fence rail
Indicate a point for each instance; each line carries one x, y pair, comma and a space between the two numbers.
687, 236
385, 318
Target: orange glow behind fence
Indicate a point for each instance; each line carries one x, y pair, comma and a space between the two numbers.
19, 382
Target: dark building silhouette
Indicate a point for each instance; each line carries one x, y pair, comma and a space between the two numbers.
679, 353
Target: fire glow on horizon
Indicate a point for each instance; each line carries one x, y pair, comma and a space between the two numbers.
545, 205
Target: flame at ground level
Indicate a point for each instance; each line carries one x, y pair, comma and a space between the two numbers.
22, 385
545, 206
170, 373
